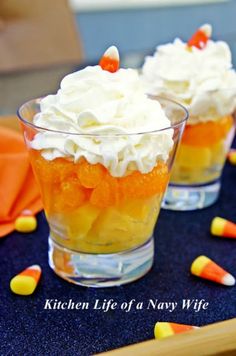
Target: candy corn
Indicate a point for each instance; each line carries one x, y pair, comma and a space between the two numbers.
232, 156
164, 329
223, 228
26, 212
203, 267
26, 222
200, 37
110, 60
26, 281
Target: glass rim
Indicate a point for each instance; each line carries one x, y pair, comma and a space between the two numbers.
153, 97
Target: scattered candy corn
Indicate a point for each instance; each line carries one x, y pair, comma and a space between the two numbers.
222, 227
203, 267
200, 37
26, 222
110, 60
25, 282
164, 329
232, 156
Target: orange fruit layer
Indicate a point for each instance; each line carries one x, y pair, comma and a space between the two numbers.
90, 175
107, 193
52, 171
72, 193
66, 186
207, 133
145, 185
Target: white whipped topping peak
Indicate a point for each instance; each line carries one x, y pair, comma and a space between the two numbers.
114, 108
201, 79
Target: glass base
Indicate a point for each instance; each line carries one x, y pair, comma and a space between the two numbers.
191, 197
101, 270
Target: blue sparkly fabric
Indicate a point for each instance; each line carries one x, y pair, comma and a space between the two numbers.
26, 328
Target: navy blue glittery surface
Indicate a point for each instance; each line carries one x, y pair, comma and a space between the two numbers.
27, 329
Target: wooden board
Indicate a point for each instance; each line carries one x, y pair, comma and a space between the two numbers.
37, 33
214, 339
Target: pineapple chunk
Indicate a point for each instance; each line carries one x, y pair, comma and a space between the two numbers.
89, 229
111, 226
121, 230
80, 221
193, 157
218, 153
138, 209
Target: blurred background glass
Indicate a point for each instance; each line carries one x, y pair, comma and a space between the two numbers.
136, 27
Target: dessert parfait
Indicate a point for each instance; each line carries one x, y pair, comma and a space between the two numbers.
199, 75
101, 151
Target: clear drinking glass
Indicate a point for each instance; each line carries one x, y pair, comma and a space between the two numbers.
196, 176
101, 227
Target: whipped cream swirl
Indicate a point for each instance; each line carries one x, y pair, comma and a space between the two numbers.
201, 79
106, 118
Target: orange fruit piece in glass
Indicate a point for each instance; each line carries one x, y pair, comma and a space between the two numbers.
207, 133
52, 171
138, 185
90, 175
106, 193
72, 194
110, 191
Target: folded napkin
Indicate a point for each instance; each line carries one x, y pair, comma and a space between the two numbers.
18, 189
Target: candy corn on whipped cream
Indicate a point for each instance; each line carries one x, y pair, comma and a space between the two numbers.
103, 164
187, 71
98, 102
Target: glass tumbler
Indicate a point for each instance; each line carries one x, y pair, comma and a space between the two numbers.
196, 176
101, 226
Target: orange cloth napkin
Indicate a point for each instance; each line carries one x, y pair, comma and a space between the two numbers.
18, 189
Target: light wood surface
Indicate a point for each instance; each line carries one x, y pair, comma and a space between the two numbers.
37, 36
214, 339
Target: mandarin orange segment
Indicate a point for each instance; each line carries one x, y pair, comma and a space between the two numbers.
65, 196
52, 171
114, 187
63, 168
72, 194
106, 193
90, 175
138, 185
207, 133
49, 195
70, 185
102, 196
